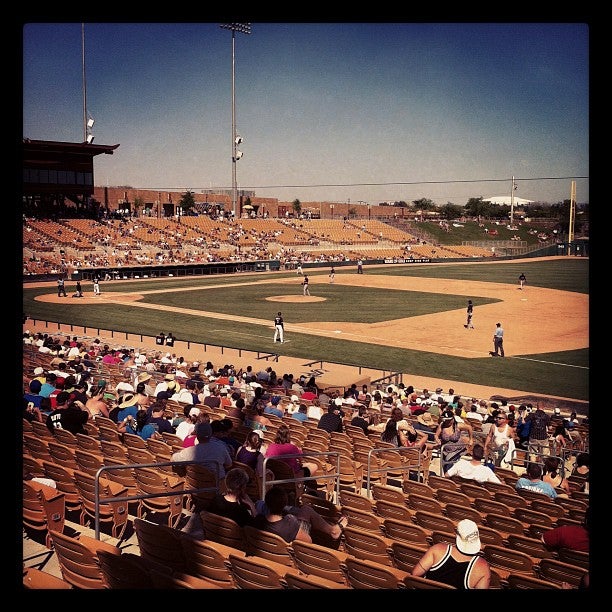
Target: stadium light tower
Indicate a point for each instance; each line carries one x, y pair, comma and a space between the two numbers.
244, 28
88, 120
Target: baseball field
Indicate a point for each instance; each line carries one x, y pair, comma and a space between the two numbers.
399, 318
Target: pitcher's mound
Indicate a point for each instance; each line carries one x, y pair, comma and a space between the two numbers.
295, 298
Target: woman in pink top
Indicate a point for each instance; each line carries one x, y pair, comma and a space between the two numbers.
282, 445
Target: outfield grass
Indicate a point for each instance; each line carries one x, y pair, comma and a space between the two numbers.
342, 304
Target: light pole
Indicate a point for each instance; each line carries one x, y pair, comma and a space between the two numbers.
514, 187
244, 28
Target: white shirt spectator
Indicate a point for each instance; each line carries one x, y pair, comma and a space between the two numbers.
466, 469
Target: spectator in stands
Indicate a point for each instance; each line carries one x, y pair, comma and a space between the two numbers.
222, 430
473, 469
574, 537
449, 434
461, 564
209, 451
139, 426
538, 433
128, 406
184, 428
163, 385
500, 441
33, 395
252, 452
301, 414
49, 385
552, 475
580, 473
292, 522
360, 420
392, 435
272, 407
331, 421
283, 445
95, 404
31, 412
157, 418
532, 481
235, 503
68, 415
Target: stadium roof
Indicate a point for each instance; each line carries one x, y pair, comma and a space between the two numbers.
507, 200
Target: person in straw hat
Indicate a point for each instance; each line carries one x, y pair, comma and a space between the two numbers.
461, 564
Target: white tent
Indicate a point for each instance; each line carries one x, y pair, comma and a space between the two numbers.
507, 200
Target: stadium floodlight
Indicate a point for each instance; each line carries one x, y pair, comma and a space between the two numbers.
243, 28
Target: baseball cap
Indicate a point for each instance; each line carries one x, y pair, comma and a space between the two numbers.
101, 383
38, 371
194, 411
468, 537
204, 430
171, 385
35, 386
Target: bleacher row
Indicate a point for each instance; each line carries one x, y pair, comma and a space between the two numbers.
396, 506
78, 243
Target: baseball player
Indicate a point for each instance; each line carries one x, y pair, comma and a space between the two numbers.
279, 330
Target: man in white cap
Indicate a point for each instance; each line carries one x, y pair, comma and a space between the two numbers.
461, 564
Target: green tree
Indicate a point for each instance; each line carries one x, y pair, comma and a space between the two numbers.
187, 202
352, 212
139, 205
451, 211
424, 204
478, 208
297, 207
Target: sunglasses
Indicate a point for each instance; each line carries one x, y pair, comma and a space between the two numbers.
500, 418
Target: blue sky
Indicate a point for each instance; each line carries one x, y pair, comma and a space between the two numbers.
328, 111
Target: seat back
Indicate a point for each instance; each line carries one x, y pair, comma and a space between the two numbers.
504, 523
127, 571
367, 545
110, 512
160, 544
62, 455
456, 512
434, 522
533, 517
484, 506
64, 437
88, 462
267, 545
133, 441
365, 574
406, 556
350, 499
43, 509
319, 561
78, 559
109, 432
510, 500
506, 560
407, 532
41, 430
366, 521
150, 481
88, 443
474, 490
254, 573
524, 581
428, 504
64, 481
114, 450
559, 572
209, 559
223, 530
420, 582
534, 547
574, 557
198, 476
388, 494
36, 447
400, 512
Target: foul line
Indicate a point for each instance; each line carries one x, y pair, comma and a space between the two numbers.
564, 365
